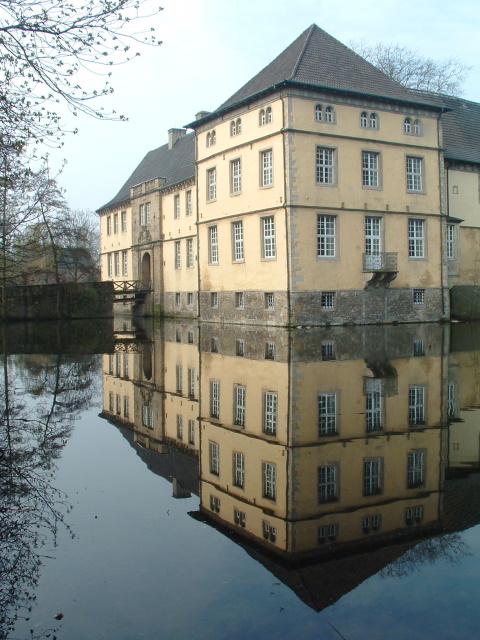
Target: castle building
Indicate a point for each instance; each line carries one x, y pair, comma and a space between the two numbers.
322, 192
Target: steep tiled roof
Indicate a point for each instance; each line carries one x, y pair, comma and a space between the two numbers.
461, 126
316, 58
175, 164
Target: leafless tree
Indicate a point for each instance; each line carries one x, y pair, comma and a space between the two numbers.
410, 69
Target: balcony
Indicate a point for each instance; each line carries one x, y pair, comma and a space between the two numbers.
383, 265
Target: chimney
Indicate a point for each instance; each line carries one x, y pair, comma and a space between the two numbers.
201, 114
174, 135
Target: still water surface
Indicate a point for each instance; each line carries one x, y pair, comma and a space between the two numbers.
186, 481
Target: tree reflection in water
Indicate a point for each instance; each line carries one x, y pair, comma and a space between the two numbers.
40, 398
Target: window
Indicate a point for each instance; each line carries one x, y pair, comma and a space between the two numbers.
373, 121
189, 247
214, 457
239, 300
240, 348
270, 399
265, 116
239, 517
327, 483
147, 416
124, 263
215, 503
211, 184
115, 223
364, 119
268, 237
416, 405
407, 125
328, 532
179, 378
214, 345
415, 469
191, 432
214, 299
268, 114
126, 408
270, 351
417, 127
178, 332
266, 168
110, 364
269, 300
419, 296
414, 174
189, 298
373, 407
451, 411
412, 127
328, 350
117, 364
125, 365
177, 300
239, 406
118, 404
178, 255
371, 524
413, 515
373, 242
191, 382
124, 220
211, 138
325, 173
318, 113
214, 398
329, 114
142, 214
372, 482
188, 203
117, 263
269, 473
416, 238
368, 120
109, 265
418, 348
327, 300
179, 426
148, 212
325, 236
111, 401
239, 469
176, 206
109, 225
327, 414
237, 241
370, 161
235, 176
451, 241
269, 532
235, 127
213, 245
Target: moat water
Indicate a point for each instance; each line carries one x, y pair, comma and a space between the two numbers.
124, 511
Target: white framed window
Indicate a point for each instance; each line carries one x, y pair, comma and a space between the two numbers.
270, 351
125, 263
178, 254
268, 114
239, 405
211, 184
214, 398
372, 480
269, 532
407, 125
214, 299
374, 408
416, 405
215, 503
238, 469
269, 473
370, 169
318, 112
124, 220
325, 165
414, 174
265, 116
418, 348
142, 215
236, 127
188, 203
371, 523
236, 176
416, 238
327, 483
179, 378
329, 114
189, 248
189, 298
327, 300
270, 300
213, 244
451, 253
419, 296
269, 250
364, 119
191, 382
413, 515
115, 223
417, 127
179, 426
266, 168
415, 470
214, 457
176, 206
325, 236
270, 401
373, 121
191, 431
237, 241
239, 517
211, 138
239, 300
109, 225
373, 241
368, 120
110, 265
177, 304
240, 348
327, 532
148, 212
117, 263
327, 414
328, 350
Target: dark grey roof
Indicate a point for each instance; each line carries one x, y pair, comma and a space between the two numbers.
316, 58
461, 126
175, 164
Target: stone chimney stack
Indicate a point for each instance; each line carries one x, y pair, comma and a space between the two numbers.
201, 114
174, 135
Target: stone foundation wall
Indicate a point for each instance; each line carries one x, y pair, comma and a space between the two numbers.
465, 302
254, 310
167, 305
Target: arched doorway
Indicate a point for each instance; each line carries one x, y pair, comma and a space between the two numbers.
146, 273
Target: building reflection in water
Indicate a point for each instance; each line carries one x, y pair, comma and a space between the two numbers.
328, 454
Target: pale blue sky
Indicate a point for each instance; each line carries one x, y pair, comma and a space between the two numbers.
212, 47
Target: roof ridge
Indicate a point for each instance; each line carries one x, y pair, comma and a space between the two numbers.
307, 40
